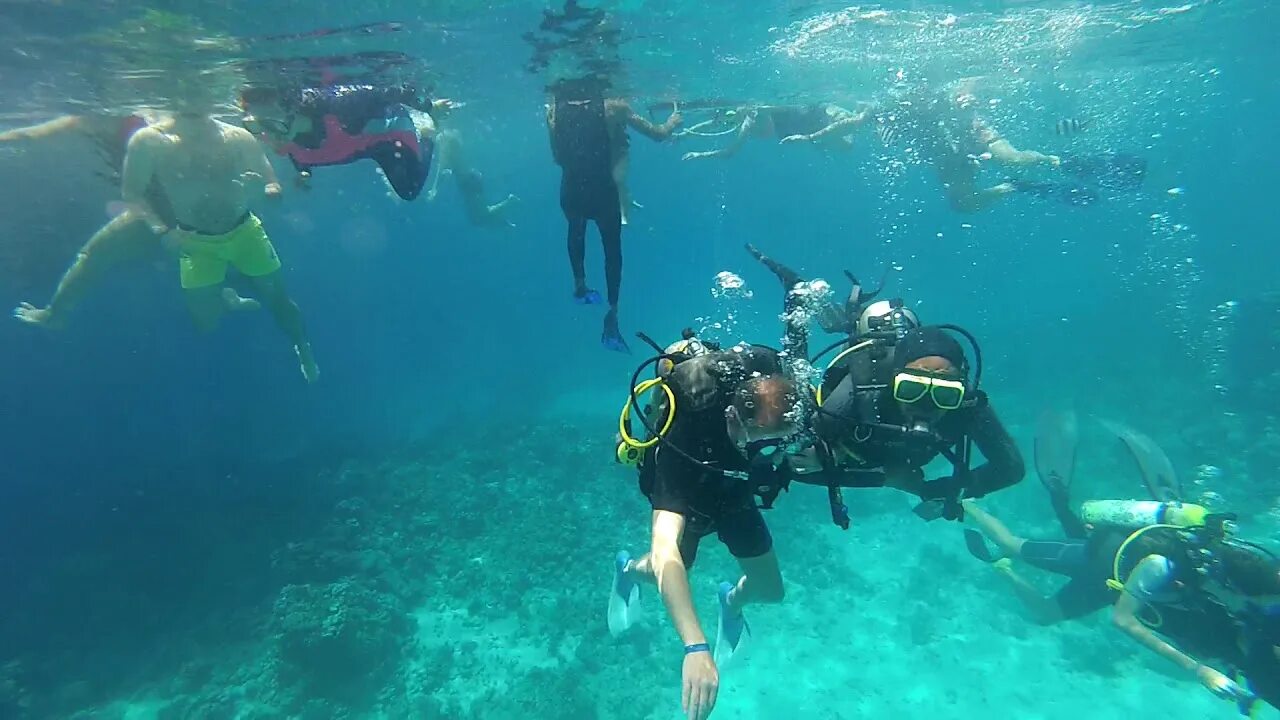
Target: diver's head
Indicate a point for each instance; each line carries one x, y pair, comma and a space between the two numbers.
930, 373
886, 316
763, 409
687, 347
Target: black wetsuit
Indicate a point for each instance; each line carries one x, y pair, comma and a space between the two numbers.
581, 145
886, 449
709, 500
354, 106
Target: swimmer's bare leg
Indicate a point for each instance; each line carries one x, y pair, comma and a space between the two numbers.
206, 306
287, 315
620, 168
127, 238
1003, 152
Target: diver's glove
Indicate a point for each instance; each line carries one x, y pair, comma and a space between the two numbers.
768, 480
941, 499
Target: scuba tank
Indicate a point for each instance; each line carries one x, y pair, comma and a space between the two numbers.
1140, 513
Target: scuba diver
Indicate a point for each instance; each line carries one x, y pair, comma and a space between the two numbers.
1168, 569
588, 135
714, 454
340, 123
896, 397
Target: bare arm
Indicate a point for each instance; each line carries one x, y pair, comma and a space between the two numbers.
657, 133
551, 132
673, 578
139, 171
256, 162
1125, 617
57, 126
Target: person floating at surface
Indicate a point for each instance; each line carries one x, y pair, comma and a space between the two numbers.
957, 140
825, 124
588, 134
729, 415
452, 161
342, 123
211, 172
126, 238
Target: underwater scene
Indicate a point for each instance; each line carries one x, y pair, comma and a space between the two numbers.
639, 359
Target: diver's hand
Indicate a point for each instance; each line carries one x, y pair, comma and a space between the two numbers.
795, 139
1219, 684
303, 181
701, 684
1054, 161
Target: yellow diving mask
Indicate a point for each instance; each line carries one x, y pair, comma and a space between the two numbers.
912, 386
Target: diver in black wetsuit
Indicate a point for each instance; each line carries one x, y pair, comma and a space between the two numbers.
589, 142
900, 395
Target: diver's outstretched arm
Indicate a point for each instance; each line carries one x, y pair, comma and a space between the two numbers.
786, 275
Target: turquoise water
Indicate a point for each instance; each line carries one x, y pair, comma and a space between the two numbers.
189, 531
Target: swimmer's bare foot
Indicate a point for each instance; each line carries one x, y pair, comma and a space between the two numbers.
235, 303
32, 315
307, 362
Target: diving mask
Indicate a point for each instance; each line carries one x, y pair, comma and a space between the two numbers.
912, 386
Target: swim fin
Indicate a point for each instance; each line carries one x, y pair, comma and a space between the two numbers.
611, 336
624, 596
1068, 193
732, 630
1157, 471
977, 544
1057, 435
586, 296
1116, 171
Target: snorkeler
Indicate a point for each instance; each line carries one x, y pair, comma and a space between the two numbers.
126, 238
959, 139
452, 161
825, 124
588, 134
338, 124
211, 172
